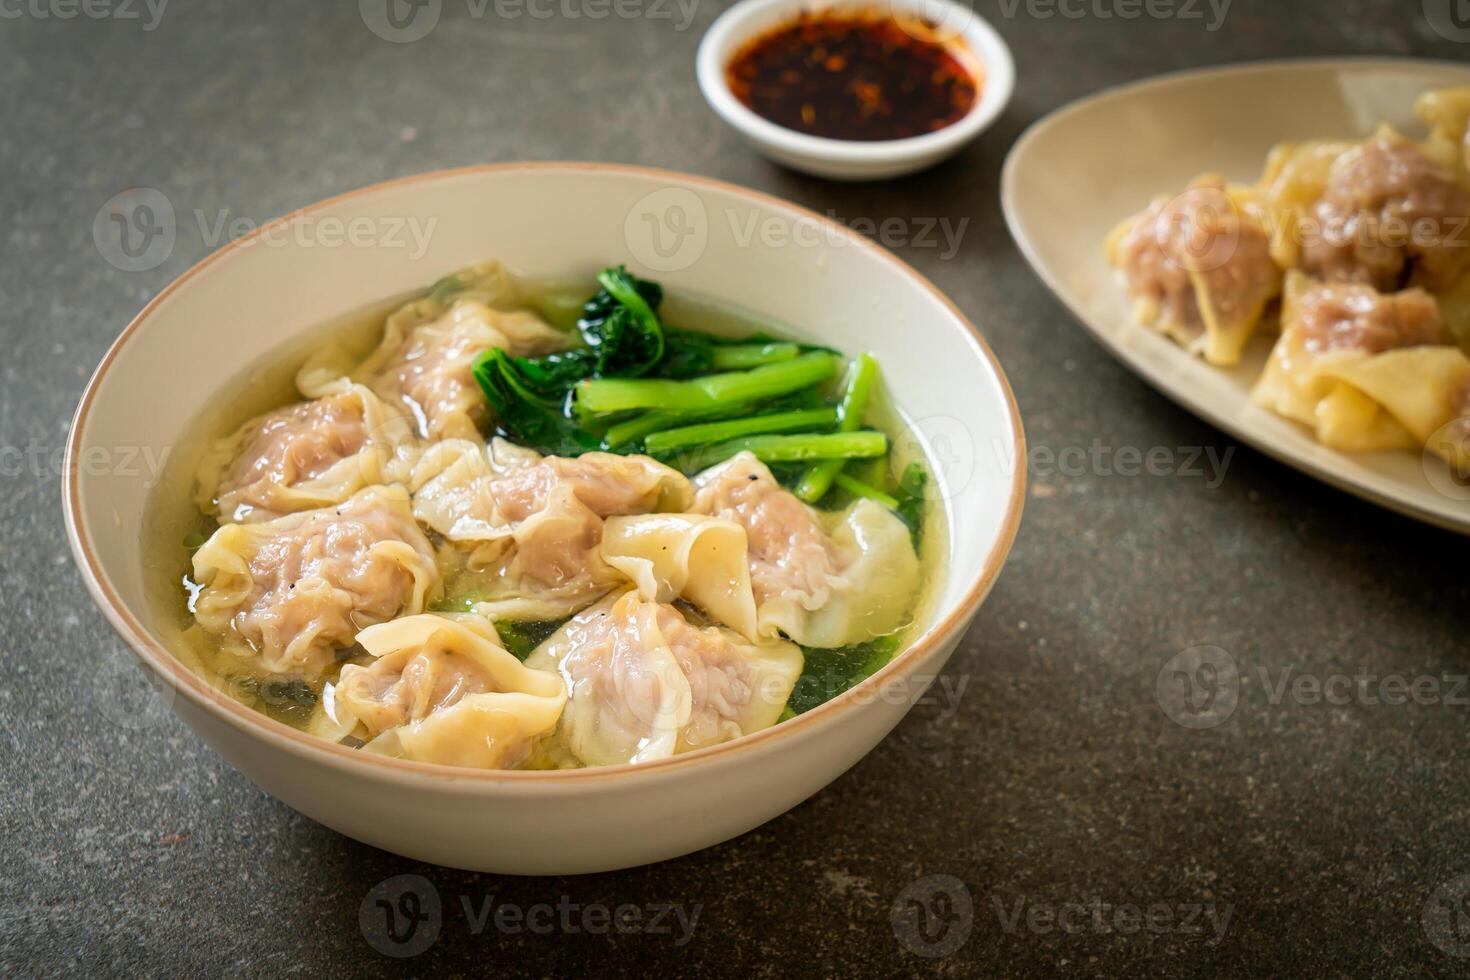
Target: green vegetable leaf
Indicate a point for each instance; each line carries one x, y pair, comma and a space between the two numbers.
911, 490
524, 414
827, 673
620, 324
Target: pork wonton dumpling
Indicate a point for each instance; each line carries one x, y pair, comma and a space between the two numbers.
423, 364
825, 580
644, 683
444, 690
530, 526
305, 456
1391, 214
1199, 267
1366, 370
293, 591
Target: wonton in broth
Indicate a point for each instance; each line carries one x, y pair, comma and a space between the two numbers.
500, 540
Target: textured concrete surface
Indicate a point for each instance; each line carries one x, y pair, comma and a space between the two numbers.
1291, 838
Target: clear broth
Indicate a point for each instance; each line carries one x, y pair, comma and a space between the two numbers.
174, 521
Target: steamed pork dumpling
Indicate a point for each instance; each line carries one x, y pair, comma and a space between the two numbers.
1390, 216
825, 580
423, 364
529, 527
1366, 370
304, 456
291, 592
1199, 268
644, 683
443, 689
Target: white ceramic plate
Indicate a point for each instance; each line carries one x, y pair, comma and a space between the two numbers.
1075, 174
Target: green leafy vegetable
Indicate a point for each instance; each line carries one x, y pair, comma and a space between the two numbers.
791, 449
827, 673
620, 325
667, 441
607, 395
524, 413
860, 489
861, 377
521, 638
911, 490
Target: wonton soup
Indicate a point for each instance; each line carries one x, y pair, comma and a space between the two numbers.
507, 526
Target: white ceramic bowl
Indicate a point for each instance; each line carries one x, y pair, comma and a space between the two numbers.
548, 220
849, 159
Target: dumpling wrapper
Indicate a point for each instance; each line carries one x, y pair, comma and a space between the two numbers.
644, 683
444, 690
691, 556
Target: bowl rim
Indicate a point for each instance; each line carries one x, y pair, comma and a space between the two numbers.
733, 28
155, 655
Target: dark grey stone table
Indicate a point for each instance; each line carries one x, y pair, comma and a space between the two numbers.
1088, 832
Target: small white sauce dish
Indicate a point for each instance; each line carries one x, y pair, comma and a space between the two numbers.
852, 160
